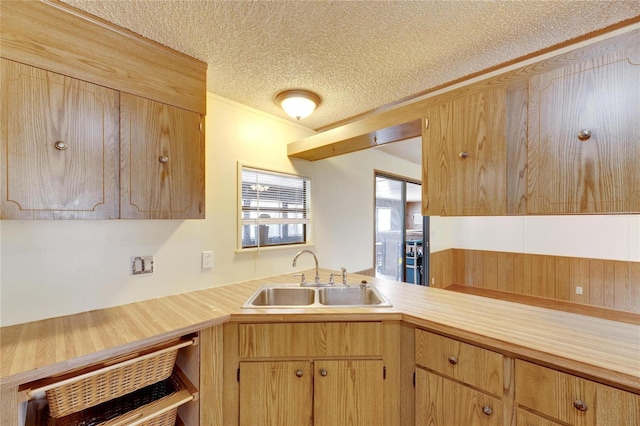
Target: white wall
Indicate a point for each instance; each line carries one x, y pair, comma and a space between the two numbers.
52, 268
343, 203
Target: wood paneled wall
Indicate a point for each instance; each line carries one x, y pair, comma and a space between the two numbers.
605, 283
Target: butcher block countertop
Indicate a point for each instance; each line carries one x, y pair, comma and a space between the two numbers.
604, 350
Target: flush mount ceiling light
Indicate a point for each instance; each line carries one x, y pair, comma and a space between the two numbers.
298, 103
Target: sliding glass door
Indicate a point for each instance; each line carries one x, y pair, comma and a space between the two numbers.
399, 229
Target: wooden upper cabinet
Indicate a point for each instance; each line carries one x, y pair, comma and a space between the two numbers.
574, 172
464, 156
65, 136
59, 146
161, 160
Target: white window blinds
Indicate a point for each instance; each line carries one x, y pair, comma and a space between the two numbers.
275, 208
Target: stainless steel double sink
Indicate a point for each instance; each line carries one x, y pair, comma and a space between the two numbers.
295, 296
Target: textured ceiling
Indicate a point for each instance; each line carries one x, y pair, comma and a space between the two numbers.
357, 55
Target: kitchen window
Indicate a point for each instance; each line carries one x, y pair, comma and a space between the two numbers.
274, 208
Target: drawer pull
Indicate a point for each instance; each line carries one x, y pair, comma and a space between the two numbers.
299, 373
323, 372
463, 154
487, 410
580, 405
453, 360
163, 159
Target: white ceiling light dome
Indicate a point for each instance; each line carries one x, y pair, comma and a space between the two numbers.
298, 103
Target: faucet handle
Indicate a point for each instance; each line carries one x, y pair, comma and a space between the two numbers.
331, 280
343, 270
303, 280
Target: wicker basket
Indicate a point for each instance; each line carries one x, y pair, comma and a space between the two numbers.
138, 405
110, 382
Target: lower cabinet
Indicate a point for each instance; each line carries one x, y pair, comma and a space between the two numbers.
457, 384
315, 373
440, 401
570, 399
319, 392
279, 392
527, 418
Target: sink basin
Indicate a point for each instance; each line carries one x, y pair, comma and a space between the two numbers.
289, 296
294, 296
348, 296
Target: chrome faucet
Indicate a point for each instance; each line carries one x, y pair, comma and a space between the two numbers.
343, 272
295, 259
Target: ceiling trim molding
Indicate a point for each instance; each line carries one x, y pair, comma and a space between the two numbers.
595, 36
397, 118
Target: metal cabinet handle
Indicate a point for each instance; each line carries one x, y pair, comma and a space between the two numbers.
580, 405
453, 360
584, 134
323, 372
487, 410
164, 159
299, 373
60, 145
463, 154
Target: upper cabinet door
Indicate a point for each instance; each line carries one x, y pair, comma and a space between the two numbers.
464, 156
59, 146
162, 161
584, 137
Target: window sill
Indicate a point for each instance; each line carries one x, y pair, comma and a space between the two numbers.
292, 247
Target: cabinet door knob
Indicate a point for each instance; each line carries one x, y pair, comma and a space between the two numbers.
323, 372
299, 373
487, 410
164, 159
580, 405
584, 134
463, 154
453, 360
60, 145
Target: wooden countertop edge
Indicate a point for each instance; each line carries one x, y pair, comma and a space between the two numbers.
399, 312
589, 371
105, 354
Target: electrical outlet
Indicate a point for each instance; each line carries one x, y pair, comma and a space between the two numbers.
207, 259
141, 265
578, 290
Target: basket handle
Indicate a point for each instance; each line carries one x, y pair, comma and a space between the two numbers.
128, 419
108, 368
147, 414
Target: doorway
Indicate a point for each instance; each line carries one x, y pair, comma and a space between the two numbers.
400, 230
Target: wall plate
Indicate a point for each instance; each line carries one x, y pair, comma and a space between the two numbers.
141, 265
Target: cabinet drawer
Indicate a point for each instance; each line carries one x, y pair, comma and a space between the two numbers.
310, 339
572, 399
461, 361
443, 402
